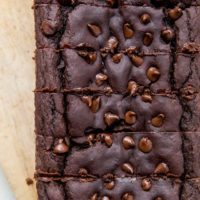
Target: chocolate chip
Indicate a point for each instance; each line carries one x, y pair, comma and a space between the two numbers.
127, 167
153, 74
145, 145
146, 184
94, 197
66, 2
147, 39
175, 13
128, 196
90, 57
167, 35
61, 147
128, 31
90, 139
158, 120
145, 18
83, 172
130, 117
110, 119
128, 142
147, 98
108, 90
137, 60
131, 50
95, 104
100, 78
87, 100
132, 87
48, 27
111, 45
94, 30
158, 198
161, 168
108, 140
105, 198
109, 185
92, 103
117, 57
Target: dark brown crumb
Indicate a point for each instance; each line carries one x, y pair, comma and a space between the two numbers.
29, 181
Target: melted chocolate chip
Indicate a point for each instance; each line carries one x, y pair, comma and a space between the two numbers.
128, 31
105, 198
90, 139
153, 74
128, 168
108, 140
94, 30
100, 78
167, 35
95, 104
128, 142
108, 90
147, 39
128, 196
137, 60
130, 117
117, 57
110, 119
158, 198
161, 168
132, 87
145, 18
146, 184
94, 197
92, 103
175, 13
145, 145
131, 50
146, 97
110, 185
90, 57
111, 45
61, 147
158, 120
87, 100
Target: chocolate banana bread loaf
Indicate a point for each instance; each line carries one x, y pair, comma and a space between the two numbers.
117, 99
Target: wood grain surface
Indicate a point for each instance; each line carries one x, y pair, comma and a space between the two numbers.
17, 81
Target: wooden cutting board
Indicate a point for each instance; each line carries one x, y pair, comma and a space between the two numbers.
17, 81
